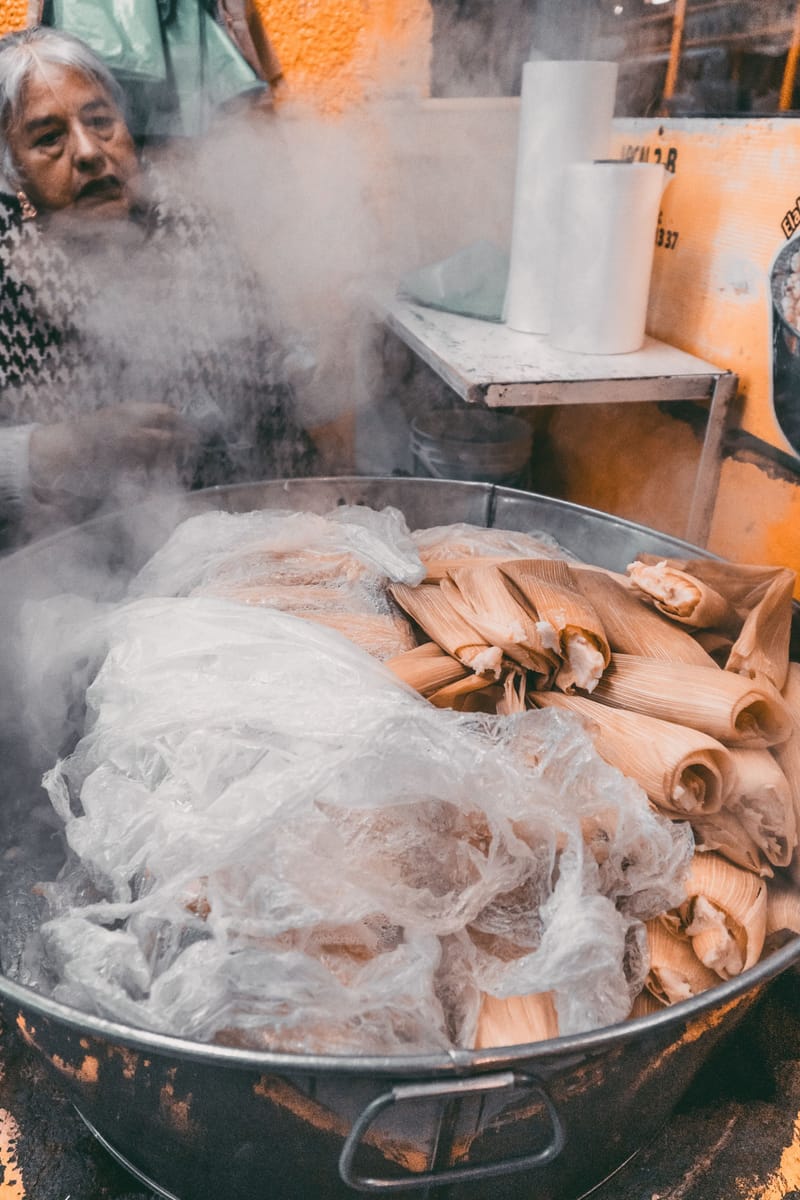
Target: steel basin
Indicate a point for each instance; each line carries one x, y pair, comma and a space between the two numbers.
200, 1122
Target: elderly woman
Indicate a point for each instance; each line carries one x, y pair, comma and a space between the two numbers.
133, 345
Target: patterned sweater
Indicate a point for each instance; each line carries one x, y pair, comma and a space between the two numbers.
159, 308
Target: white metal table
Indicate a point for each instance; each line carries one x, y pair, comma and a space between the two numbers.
487, 363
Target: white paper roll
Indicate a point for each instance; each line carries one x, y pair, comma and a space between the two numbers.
566, 110
605, 245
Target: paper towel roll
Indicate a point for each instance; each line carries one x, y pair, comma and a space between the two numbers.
566, 109
605, 245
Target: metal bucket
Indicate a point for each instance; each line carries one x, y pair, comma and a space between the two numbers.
198, 1122
472, 444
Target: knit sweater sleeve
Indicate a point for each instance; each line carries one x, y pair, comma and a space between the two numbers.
14, 465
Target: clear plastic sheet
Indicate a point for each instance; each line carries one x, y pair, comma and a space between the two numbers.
628, 864
275, 843
211, 542
462, 540
332, 569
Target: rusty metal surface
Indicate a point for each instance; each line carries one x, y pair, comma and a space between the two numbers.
205, 1122
734, 1136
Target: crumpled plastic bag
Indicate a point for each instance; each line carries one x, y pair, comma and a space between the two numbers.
332, 569
295, 851
471, 282
205, 544
177, 57
439, 544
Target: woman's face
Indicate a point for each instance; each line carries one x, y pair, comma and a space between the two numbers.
71, 146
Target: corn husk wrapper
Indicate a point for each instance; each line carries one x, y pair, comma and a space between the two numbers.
481, 596
516, 1020
427, 668
742, 584
381, 634
437, 569
426, 605
684, 772
761, 651
783, 909
724, 832
269, 593
787, 754
472, 694
645, 1004
514, 694
734, 710
443, 548
725, 914
268, 567
598, 832
633, 627
762, 800
717, 645
683, 597
676, 973
551, 596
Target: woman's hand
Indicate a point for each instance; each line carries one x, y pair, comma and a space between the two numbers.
92, 455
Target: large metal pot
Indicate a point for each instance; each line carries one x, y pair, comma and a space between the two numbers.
785, 350
200, 1121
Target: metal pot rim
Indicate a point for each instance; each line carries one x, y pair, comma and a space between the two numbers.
29, 1003
490, 490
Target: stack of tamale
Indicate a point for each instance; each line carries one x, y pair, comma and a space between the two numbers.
681, 670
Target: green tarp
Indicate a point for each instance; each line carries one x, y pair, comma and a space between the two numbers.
175, 62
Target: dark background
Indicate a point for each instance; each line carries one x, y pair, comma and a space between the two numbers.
732, 62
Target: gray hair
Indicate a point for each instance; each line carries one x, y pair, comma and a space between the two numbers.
21, 54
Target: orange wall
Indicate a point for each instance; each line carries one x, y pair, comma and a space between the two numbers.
339, 52
734, 182
13, 14
334, 53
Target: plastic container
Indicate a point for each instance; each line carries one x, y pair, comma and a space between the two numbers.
473, 444
605, 247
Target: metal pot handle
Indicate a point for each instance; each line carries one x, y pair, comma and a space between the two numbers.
459, 1087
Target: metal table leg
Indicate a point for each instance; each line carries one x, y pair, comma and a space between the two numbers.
701, 509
